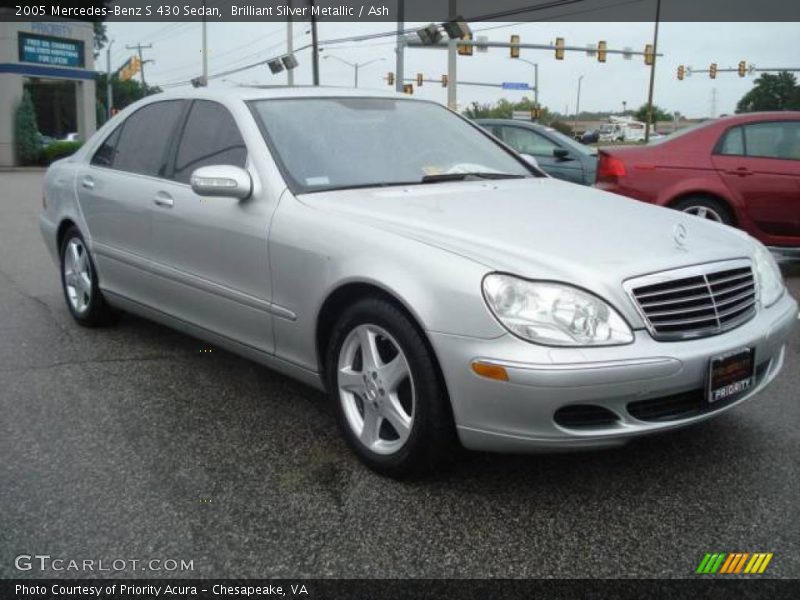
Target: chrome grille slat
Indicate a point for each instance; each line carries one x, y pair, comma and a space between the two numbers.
696, 301
676, 301
672, 291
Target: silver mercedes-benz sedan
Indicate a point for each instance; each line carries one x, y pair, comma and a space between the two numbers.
440, 287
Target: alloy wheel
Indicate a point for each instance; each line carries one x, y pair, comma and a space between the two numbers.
77, 275
704, 212
376, 389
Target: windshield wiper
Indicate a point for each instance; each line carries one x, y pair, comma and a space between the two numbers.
440, 177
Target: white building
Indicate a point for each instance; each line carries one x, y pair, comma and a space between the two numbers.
55, 60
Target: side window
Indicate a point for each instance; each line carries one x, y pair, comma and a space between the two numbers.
775, 139
104, 155
732, 142
210, 137
528, 142
143, 144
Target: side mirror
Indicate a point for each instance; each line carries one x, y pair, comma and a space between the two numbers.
561, 153
531, 160
222, 180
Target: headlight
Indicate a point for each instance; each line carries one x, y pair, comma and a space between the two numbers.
768, 275
553, 314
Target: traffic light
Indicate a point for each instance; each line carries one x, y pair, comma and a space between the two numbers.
408, 88
536, 112
514, 48
465, 49
602, 51
681, 72
419, 79
444, 81
649, 55
712, 71
742, 70
429, 34
457, 29
560, 48
390, 78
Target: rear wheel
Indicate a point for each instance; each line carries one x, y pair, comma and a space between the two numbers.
390, 402
79, 282
705, 208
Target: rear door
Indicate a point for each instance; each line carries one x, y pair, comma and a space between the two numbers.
115, 191
211, 252
527, 141
760, 163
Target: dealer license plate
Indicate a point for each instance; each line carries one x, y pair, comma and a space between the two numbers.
731, 375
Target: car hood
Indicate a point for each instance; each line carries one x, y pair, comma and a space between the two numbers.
540, 228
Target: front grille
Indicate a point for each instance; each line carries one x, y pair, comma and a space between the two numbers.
686, 404
697, 305
581, 416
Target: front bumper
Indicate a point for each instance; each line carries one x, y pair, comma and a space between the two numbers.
519, 415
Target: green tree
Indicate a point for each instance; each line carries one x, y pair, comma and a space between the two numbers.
100, 37
26, 132
659, 114
771, 92
123, 92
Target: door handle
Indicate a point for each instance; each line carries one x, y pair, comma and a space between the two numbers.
88, 182
741, 172
163, 199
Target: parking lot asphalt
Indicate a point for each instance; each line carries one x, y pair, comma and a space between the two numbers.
132, 443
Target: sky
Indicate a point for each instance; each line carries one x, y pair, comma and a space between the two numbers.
177, 54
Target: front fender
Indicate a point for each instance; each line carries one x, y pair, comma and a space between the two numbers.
313, 253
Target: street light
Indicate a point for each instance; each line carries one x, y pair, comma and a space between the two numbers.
577, 106
356, 66
535, 78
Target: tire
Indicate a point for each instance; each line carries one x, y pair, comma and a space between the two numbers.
80, 285
706, 208
393, 410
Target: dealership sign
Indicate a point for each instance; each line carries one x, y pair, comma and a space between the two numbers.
47, 50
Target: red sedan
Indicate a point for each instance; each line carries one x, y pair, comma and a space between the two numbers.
742, 171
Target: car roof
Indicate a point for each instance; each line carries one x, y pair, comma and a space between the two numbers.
246, 93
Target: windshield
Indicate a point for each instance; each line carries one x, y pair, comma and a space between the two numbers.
606, 128
568, 142
338, 143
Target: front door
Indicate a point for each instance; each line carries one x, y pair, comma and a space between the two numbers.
211, 253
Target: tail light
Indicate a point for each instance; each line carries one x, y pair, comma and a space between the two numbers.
610, 168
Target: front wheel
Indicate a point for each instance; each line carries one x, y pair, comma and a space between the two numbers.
390, 402
79, 282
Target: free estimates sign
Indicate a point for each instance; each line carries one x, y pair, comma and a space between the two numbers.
47, 50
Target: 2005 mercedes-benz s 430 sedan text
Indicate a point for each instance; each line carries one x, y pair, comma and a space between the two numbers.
437, 284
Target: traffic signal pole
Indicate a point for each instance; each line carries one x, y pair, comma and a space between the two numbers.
452, 55
401, 46
652, 76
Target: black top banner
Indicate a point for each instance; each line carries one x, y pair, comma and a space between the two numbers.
403, 10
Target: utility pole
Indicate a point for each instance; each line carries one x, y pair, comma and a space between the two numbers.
399, 65
314, 46
109, 87
713, 114
205, 46
535, 78
289, 45
452, 56
142, 61
577, 105
652, 75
